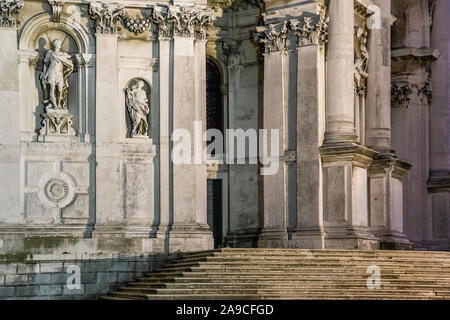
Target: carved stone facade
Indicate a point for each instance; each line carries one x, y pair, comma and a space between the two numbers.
93, 92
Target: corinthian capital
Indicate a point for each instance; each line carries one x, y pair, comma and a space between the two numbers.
273, 37
106, 16
190, 22
311, 29
8, 10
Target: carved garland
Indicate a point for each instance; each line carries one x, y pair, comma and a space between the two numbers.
8, 10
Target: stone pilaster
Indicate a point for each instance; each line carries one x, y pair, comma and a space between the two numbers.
276, 73
310, 130
189, 230
10, 122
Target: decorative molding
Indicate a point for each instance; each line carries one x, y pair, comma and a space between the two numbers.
137, 25
8, 10
106, 16
57, 6
57, 191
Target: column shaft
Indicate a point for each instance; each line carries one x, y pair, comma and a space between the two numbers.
340, 117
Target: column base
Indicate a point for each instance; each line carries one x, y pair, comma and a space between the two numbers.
242, 239
307, 239
350, 239
189, 237
395, 242
273, 238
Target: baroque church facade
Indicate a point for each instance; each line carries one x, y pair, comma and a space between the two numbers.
92, 91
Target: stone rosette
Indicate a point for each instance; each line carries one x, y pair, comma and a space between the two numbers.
57, 191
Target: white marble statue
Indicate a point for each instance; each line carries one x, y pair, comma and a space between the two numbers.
138, 109
57, 68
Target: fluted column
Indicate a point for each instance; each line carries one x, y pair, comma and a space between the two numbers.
340, 119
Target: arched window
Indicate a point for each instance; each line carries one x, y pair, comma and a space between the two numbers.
214, 100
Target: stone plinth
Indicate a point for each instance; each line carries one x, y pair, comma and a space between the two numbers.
56, 126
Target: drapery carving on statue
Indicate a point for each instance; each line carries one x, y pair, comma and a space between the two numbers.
8, 10
136, 98
57, 66
56, 69
106, 16
360, 73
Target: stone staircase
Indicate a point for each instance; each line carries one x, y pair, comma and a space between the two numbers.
254, 274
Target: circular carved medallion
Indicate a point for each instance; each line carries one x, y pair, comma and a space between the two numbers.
56, 189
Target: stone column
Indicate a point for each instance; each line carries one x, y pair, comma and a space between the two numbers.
9, 122
386, 172
345, 162
274, 232
340, 115
310, 132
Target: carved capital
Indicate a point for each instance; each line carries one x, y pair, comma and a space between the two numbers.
401, 94
312, 29
232, 50
57, 6
8, 11
273, 37
106, 16
190, 22
161, 20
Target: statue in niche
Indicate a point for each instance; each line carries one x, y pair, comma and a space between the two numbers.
138, 109
57, 68
57, 121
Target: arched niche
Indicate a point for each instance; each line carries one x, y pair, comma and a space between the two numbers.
35, 38
147, 88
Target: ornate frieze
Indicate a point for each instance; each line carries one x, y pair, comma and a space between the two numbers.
106, 16
8, 10
137, 25
360, 73
57, 6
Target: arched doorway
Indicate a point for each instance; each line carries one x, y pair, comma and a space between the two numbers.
215, 120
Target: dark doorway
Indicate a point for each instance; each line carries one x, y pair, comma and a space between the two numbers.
215, 211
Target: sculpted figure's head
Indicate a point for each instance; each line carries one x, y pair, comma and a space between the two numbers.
140, 84
56, 45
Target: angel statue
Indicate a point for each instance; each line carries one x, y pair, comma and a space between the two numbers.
138, 109
57, 68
